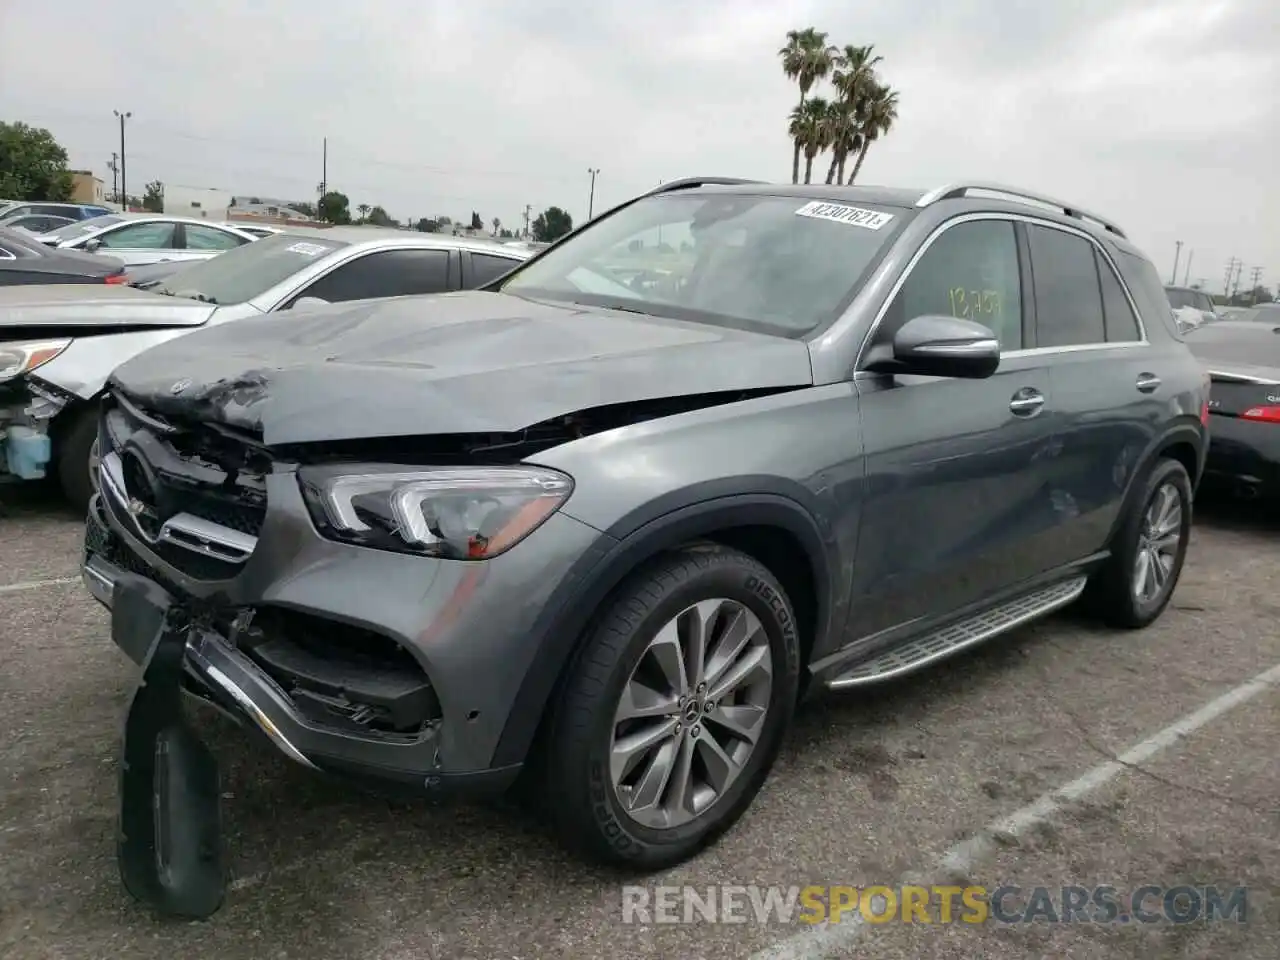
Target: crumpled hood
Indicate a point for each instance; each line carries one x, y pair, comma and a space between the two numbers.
453, 363
93, 306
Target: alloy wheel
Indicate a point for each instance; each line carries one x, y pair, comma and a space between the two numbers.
1158, 541
691, 713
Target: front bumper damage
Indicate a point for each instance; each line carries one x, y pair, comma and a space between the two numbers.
26, 411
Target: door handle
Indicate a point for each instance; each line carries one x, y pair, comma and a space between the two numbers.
1148, 382
1026, 403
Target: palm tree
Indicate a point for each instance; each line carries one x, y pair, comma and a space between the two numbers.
854, 78
811, 130
844, 137
881, 112
497, 225
806, 59
364, 209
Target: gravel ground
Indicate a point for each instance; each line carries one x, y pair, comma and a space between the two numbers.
905, 783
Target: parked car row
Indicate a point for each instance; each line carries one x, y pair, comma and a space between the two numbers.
66, 341
12, 209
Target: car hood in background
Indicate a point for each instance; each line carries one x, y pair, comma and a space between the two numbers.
452, 363
96, 306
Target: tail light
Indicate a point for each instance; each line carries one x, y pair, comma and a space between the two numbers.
1204, 407
116, 278
1263, 414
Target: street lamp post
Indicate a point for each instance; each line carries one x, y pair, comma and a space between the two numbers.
591, 198
124, 186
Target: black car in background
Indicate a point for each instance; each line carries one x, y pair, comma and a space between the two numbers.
24, 259
1243, 361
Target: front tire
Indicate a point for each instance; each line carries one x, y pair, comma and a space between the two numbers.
674, 710
75, 455
1137, 582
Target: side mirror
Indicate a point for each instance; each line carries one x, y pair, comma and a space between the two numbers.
939, 346
92, 246
311, 302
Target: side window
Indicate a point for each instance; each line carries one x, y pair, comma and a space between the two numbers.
1121, 324
969, 271
391, 273
140, 236
485, 268
1068, 294
208, 238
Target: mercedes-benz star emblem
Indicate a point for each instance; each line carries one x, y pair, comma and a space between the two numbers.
178, 387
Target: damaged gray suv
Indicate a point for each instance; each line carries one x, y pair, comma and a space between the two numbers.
606, 521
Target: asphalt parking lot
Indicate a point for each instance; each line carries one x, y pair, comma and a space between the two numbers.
1162, 743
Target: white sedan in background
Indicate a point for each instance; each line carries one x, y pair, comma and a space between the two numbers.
142, 238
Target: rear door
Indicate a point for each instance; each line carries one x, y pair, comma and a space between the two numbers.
1110, 386
957, 502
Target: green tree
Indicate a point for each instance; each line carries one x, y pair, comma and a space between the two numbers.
497, 227
364, 209
806, 59
379, 217
153, 197
881, 112
551, 224
33, 165
335, 208
426, 225
476, 222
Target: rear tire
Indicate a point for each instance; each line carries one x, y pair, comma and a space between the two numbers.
628, 813
1153, 537
73, 453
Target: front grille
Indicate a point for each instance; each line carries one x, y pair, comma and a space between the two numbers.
170, 470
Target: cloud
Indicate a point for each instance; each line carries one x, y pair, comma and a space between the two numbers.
1160, 114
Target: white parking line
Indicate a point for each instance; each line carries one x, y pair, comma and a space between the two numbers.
36, 584
831, 939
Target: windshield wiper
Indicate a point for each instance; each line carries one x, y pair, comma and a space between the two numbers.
194, 295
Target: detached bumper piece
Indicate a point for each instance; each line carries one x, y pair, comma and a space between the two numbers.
170, 848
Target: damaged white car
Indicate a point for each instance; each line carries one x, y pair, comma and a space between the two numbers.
59, 344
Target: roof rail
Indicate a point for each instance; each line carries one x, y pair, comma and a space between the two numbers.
687, 183
954, 191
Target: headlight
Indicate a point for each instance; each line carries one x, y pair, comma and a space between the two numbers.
458, 513
19, 358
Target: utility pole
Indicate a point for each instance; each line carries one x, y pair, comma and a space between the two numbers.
1235, 284
528, 209
324, 178
1254, 276
1186, 274
591, 199
1176, 257
124, 185
114, 167
1226, 281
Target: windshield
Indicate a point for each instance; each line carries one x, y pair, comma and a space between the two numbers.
81, 227
244, 272
771, 264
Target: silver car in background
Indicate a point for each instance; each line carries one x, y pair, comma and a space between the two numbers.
59, 344
142, 238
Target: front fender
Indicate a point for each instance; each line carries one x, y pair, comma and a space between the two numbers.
676, 519
83, 368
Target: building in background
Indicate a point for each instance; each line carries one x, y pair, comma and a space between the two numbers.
86, 188
246, 206
202, 203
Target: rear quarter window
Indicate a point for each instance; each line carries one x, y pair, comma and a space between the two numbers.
1148, 292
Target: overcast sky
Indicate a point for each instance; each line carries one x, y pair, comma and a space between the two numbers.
1163, 114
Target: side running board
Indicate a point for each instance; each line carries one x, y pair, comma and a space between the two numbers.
960, 635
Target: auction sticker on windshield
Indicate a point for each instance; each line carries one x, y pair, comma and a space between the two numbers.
308, 249
838, 212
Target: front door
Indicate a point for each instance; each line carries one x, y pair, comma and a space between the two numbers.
957, 503
137, 244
